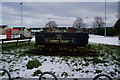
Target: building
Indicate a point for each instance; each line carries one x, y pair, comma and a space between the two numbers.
3, 29
20, 28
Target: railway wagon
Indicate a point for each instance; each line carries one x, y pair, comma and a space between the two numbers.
60, 38
63, 43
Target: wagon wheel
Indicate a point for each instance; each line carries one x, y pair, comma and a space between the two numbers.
98, 77
41, 76
5, 71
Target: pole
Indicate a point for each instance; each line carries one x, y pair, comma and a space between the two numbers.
118, 10
118, 19
105, 19
21, 19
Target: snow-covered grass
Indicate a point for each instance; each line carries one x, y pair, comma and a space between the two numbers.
104, 40
71, 67
14, 60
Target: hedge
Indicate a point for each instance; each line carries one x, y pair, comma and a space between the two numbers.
100, 31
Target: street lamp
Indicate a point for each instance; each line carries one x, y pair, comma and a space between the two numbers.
105, 19
21, 18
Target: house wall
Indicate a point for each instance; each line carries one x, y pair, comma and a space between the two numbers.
3, 30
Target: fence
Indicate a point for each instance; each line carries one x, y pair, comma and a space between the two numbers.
54, 77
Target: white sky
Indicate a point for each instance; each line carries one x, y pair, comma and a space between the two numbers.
36, 12
59, 0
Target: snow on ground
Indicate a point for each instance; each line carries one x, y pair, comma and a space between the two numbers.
75, 67
103, 40
2, 36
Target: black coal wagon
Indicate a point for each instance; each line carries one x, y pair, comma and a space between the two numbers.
59, 38
61, 41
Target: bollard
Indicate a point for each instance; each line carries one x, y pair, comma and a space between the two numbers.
47, 73
9, 76
100, 75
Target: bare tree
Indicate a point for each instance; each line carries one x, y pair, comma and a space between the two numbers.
79, 23
98, 22
51, 24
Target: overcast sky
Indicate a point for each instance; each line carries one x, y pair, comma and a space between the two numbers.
37, 14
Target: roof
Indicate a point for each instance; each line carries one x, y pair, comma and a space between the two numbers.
3, 26
14, 29
20, 28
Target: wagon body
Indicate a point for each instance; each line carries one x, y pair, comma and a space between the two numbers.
62, 38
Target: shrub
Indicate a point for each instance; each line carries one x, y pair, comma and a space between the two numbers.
65, 74
101, 31
36, 73
33, 64
111, 32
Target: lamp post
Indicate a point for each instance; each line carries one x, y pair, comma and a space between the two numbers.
21, 19
118, 19
105, 19
118, 10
